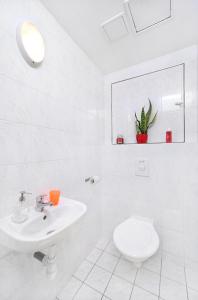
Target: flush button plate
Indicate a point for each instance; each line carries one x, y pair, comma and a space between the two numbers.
142, 168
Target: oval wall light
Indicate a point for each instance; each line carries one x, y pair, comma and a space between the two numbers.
31, 43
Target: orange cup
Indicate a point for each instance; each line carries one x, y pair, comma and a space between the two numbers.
54, 197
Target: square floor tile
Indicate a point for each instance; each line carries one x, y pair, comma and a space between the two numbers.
172, 290
140, 294
2, 298
70, 290
83, 270
118, 289
112, 249
11, 278
191, 264
87, 293
98, 279
153, 264
173, 271
192, 295
177, 260
192, 278
126, 270
148, 281
107, 261
3, 251
102, 243
94, 255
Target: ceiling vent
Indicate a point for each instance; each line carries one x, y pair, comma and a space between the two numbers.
144, 14
116, 27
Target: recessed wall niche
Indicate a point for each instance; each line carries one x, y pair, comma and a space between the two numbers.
166, 90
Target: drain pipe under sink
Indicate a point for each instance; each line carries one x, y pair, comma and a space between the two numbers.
49, 261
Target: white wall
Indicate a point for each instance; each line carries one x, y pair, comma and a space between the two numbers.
51, 131
84, 27
169, 195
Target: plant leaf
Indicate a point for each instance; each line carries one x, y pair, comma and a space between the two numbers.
137, 128
137, 118
148, 114
152, 121
143, 121
137, 123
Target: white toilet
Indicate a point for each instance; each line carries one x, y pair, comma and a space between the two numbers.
137, 239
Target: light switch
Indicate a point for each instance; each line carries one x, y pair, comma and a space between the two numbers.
142, 168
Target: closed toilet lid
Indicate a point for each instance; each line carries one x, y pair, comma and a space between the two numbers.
136, 238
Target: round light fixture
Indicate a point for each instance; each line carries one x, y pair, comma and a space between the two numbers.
30, 43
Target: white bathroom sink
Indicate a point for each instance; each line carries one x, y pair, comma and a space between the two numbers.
37, 233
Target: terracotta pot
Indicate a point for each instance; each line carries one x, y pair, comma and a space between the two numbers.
142, 138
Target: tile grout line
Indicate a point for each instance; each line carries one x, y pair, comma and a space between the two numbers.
119, 258
103, 251
130, 298
160, 279
77, 290
83, 281
120, 277
186, 282
174, 280
103, 296
94, 264
192, 289
26, 85
178, 265
112, 273
108, 252
164, 276
170, 279
148, 291
155, 272
30, 124
102, 268
137, 285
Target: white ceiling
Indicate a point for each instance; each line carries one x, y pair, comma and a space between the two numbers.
82, 20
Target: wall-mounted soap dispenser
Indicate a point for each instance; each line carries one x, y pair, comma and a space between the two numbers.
20, 213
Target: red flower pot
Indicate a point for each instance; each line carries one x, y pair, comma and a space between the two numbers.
142, 138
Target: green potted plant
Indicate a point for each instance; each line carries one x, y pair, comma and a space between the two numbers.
143, 124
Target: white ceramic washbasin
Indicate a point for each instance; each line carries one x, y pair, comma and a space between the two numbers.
37, 233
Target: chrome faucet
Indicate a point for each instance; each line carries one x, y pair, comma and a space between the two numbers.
41, 203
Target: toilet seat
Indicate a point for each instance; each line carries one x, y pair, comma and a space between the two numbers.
136, 238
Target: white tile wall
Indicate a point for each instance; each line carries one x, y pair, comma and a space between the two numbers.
169, 194
51, 132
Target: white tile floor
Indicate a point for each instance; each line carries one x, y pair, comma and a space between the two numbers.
105, 275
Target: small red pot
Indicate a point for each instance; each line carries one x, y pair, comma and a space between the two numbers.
142, 138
